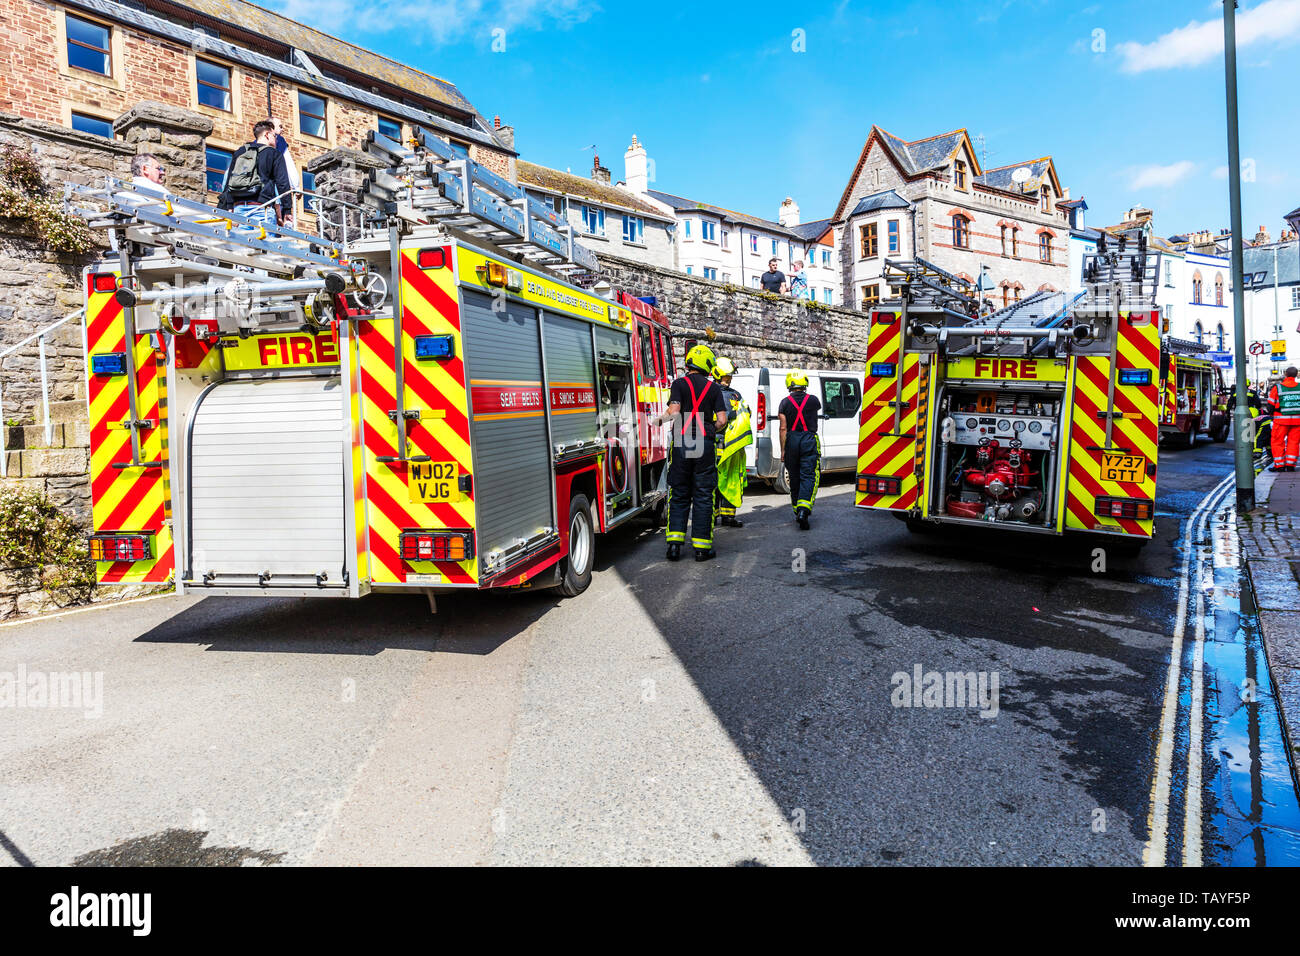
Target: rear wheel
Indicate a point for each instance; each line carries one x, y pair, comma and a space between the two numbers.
575, 569
1188, 439
781, 483
1220, 434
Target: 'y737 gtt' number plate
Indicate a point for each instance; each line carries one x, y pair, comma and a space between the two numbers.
432, 481
1118, 467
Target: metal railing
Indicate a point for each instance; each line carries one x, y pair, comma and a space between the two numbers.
319, 200
39, 338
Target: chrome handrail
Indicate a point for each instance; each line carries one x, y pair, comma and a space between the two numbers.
39, 337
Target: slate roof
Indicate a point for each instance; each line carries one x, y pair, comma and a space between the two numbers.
321, 47
811, 231
888, 199
921, 155
571, 184
1260, 259
1000, 176
682, 204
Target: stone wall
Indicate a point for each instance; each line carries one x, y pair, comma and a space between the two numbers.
750, 327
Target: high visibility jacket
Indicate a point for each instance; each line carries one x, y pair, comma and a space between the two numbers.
1285, 398
738, 433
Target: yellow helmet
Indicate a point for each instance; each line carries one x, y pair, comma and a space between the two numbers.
701, 357
796, 379
723, 368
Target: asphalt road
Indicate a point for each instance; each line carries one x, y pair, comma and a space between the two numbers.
743, 711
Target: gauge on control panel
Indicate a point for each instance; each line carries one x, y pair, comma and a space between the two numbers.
1004, 425
972, 423
1020, 426
1035, 427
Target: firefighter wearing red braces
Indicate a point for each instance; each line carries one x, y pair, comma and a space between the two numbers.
801, 447
692, 462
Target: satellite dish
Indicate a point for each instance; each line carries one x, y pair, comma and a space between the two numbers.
1021, 176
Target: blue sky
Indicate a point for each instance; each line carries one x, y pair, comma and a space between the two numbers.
1127, 98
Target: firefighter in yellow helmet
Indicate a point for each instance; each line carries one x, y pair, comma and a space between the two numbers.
699, 413
731, 450
801, 446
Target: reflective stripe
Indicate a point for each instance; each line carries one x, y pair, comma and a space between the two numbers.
675, 537
702, 542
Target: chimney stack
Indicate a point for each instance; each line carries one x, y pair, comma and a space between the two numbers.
598, 172
636, 168
789, 215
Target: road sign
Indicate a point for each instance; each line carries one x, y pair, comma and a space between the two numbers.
1258, 348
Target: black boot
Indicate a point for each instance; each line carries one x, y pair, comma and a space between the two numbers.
803, 519
705, 554
732, 521
675, 551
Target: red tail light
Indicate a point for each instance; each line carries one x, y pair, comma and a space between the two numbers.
1139, 508
762, 410
437, 545
879, 485
119, 547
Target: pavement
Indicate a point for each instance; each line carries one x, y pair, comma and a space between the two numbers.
1270, 539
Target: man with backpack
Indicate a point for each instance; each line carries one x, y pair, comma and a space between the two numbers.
257, 175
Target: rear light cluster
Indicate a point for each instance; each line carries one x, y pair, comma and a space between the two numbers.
879, 485
119, 547
762, 410
1139, 508
437, 545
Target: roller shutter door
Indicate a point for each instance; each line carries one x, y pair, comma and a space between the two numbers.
266, 486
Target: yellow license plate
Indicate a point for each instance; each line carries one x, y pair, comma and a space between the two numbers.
1119, 467
433, 481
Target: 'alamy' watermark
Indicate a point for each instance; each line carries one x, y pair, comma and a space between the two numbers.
924, 688
56, 689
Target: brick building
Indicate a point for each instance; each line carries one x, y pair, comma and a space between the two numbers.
931, 198
83, 63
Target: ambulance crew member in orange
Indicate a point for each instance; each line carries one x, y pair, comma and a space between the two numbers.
801, 448
1284, 399
699, 414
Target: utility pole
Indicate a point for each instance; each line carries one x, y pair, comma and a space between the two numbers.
1241, 414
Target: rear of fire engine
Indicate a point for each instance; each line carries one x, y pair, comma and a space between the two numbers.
421, 398
1045, 425
1194, 400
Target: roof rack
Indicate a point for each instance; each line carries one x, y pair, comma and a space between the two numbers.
429, 181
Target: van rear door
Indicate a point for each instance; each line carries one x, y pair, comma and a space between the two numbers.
841, 398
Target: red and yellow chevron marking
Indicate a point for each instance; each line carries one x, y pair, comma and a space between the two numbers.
1136, 433
881, 449
437, 389
126, 499
1169, 409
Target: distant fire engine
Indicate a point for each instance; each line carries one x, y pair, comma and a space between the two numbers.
433, 404
1194, 399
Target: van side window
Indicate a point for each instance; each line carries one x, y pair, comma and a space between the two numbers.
841, 397
647, 354
664, 341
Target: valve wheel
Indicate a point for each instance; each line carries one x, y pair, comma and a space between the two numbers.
374, 291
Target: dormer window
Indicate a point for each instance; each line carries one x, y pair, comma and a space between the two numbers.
959, 174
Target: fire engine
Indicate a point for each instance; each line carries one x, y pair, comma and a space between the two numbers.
1045, 426
1194, 400
424, 397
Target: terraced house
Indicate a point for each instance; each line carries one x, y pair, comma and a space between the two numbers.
83, 63
932, 198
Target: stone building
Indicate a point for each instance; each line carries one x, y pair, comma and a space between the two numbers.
932, 198
82, 63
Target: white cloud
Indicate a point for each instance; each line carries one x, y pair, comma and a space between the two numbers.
1220, 172
1161, 177
436, 21
1200, 42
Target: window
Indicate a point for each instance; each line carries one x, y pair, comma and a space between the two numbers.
868, 240
686, 233
555, 202
1045, 200
308, 186
959, 175
726, 277
826, 296
690, 270
593, 220
774, 243
1218, 334
390, 128
633, 229
664, 342
1016, 296
870, 295
311, 115
826, 258
1218, 290
213, 84
1044, 248
893, 237
710, 273
726, 238
88, 46
753, 244
960, 232
1199, 332
708, 230
1015, 242
1169, 273
647, 354
753, 281
1196, 288
1295, 297
1004, 239
1006, 296
217, 163
92, 124
841, 397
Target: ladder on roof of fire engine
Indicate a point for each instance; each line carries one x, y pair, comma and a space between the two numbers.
193, 230
427, 181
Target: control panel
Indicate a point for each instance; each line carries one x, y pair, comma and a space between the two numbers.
1033, 432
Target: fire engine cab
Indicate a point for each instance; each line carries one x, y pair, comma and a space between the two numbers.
1044, 424
424, 397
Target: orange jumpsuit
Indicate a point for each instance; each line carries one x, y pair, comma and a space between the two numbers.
1284, 400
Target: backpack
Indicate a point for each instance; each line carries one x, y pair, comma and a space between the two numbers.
245, 180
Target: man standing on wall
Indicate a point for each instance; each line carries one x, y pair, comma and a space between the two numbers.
257, 175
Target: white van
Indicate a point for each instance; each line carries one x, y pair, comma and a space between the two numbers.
841, 397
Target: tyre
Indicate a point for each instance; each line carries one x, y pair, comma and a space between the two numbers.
1220, 434
1188, 439
780, 484
655, 516
575, 568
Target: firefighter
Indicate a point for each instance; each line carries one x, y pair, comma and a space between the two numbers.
731, 450
692, 461
1284, 400
801, 447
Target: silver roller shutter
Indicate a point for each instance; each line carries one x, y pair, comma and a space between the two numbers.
266, 484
